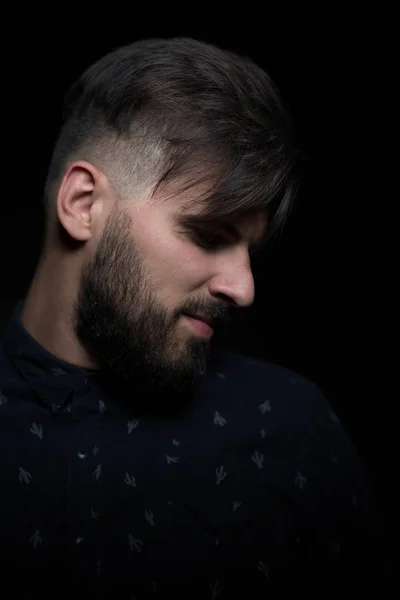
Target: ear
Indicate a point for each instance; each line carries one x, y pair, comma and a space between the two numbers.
79, 200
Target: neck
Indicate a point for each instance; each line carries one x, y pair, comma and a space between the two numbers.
47, 311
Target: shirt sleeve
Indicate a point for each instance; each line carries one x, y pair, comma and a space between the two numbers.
344, 545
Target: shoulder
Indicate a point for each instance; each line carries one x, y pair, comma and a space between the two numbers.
274, 376
283, 392
278, 405
294, 436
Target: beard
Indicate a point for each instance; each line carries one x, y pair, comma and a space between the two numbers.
132, 338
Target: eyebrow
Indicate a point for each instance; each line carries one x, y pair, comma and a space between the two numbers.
229, 228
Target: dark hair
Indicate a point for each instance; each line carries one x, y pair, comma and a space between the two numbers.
181, 110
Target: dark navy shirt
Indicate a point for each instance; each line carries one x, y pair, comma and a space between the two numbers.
254, 487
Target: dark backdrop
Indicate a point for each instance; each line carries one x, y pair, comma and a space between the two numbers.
313, 310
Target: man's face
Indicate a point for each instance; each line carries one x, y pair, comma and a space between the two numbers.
144, 274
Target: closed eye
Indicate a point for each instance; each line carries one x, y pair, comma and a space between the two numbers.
210, 241
213, 242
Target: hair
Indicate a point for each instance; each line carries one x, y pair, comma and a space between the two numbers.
183, 112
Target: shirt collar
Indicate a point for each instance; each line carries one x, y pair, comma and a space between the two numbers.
50, 377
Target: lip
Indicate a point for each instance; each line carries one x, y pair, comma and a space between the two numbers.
201, 327
208, 320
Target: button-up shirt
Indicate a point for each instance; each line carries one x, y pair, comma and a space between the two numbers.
254, 486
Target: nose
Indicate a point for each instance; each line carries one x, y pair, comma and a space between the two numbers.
235, 282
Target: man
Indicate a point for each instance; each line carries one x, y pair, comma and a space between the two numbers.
138, 457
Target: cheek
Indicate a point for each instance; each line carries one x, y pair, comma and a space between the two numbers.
172, 260
179, 263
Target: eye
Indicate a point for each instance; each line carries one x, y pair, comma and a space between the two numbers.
209, 241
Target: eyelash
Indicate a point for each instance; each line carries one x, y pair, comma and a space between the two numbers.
210, 247
202, 239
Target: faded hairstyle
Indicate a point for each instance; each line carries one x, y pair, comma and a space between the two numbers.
180, 111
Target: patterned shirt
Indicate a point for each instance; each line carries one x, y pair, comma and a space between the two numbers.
254, 487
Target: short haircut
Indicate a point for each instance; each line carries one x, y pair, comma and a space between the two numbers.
179, 110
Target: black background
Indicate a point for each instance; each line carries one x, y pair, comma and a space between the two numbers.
316, 308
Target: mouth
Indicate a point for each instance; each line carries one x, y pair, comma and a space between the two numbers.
200, 325
206, 319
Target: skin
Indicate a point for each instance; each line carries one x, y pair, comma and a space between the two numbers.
115, 276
